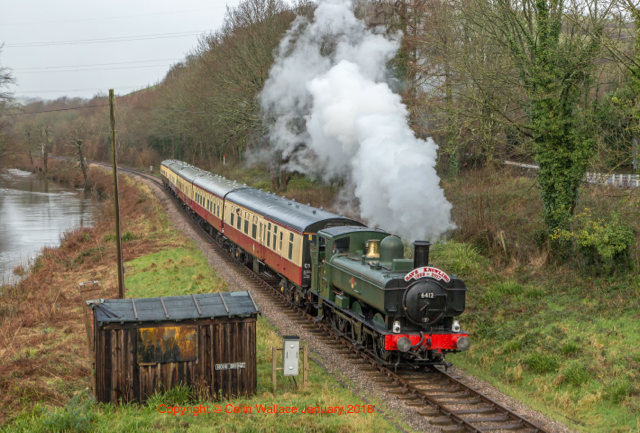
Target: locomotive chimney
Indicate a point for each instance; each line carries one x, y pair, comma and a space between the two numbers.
421, 254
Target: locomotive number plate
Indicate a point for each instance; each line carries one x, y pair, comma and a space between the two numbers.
427, 295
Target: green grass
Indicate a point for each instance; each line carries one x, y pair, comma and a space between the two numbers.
183, 271
171, 272
567, 344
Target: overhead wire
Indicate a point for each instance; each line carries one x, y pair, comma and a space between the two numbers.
96, 64
91, 70
106, 40
109, 18
105, 105
79, 90
51, 111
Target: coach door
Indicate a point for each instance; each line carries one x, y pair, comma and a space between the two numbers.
261, 241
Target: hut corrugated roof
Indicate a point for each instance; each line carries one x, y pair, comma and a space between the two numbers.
175, 308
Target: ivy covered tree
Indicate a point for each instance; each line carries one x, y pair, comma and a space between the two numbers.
552, 45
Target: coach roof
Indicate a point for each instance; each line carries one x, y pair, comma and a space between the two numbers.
217, 185
287, 212
189, 172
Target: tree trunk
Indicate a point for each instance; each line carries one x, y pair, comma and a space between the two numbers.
45, 159
82, 161
284, 179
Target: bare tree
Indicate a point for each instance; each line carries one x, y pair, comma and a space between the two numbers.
6, 97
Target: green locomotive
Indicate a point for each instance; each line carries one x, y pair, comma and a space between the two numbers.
399, 309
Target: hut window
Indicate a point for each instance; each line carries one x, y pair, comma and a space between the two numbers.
290, 245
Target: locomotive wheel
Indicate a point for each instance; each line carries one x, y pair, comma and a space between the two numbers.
381, 352
339, 323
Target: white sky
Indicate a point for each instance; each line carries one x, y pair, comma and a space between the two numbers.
52, 71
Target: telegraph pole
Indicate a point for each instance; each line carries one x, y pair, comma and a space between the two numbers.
115, 196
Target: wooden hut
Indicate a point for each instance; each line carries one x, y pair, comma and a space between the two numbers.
207, 341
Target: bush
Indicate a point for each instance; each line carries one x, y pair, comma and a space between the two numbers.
577, 374
126, 237
457, 258
180, 395
491, 297
598, 241
618, 391
542, 363
534, 293
570, 348
509, 287
512, 346
76, 416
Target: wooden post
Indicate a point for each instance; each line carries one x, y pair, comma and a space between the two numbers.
273, 368
305, 351
115, 196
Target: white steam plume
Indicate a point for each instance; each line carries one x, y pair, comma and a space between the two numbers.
327, 90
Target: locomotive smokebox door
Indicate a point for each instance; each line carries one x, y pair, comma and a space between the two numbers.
290, 355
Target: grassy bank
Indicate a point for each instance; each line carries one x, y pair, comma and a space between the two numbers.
45, 368
184, 270
562, 337
43, 349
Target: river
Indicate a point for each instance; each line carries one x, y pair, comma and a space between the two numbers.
34, 213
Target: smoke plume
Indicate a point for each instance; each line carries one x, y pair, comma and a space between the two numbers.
334, 114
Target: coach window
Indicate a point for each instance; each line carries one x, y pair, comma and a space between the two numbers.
254, 228
239, 223
280, 248
275, 235
290, 245
246, 223
269, 235
232, 219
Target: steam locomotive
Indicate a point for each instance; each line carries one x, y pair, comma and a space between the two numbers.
351, 276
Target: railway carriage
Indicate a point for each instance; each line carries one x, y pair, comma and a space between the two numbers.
210, 191
276, 233
352, 276
168, 173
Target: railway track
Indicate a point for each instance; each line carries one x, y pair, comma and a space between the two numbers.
450, 404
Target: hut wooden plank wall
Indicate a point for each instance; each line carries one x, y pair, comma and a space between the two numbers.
207, 341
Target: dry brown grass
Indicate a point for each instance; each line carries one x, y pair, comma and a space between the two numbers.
43, 349
500, 212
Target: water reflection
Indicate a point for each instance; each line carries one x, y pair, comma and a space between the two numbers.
34, 213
